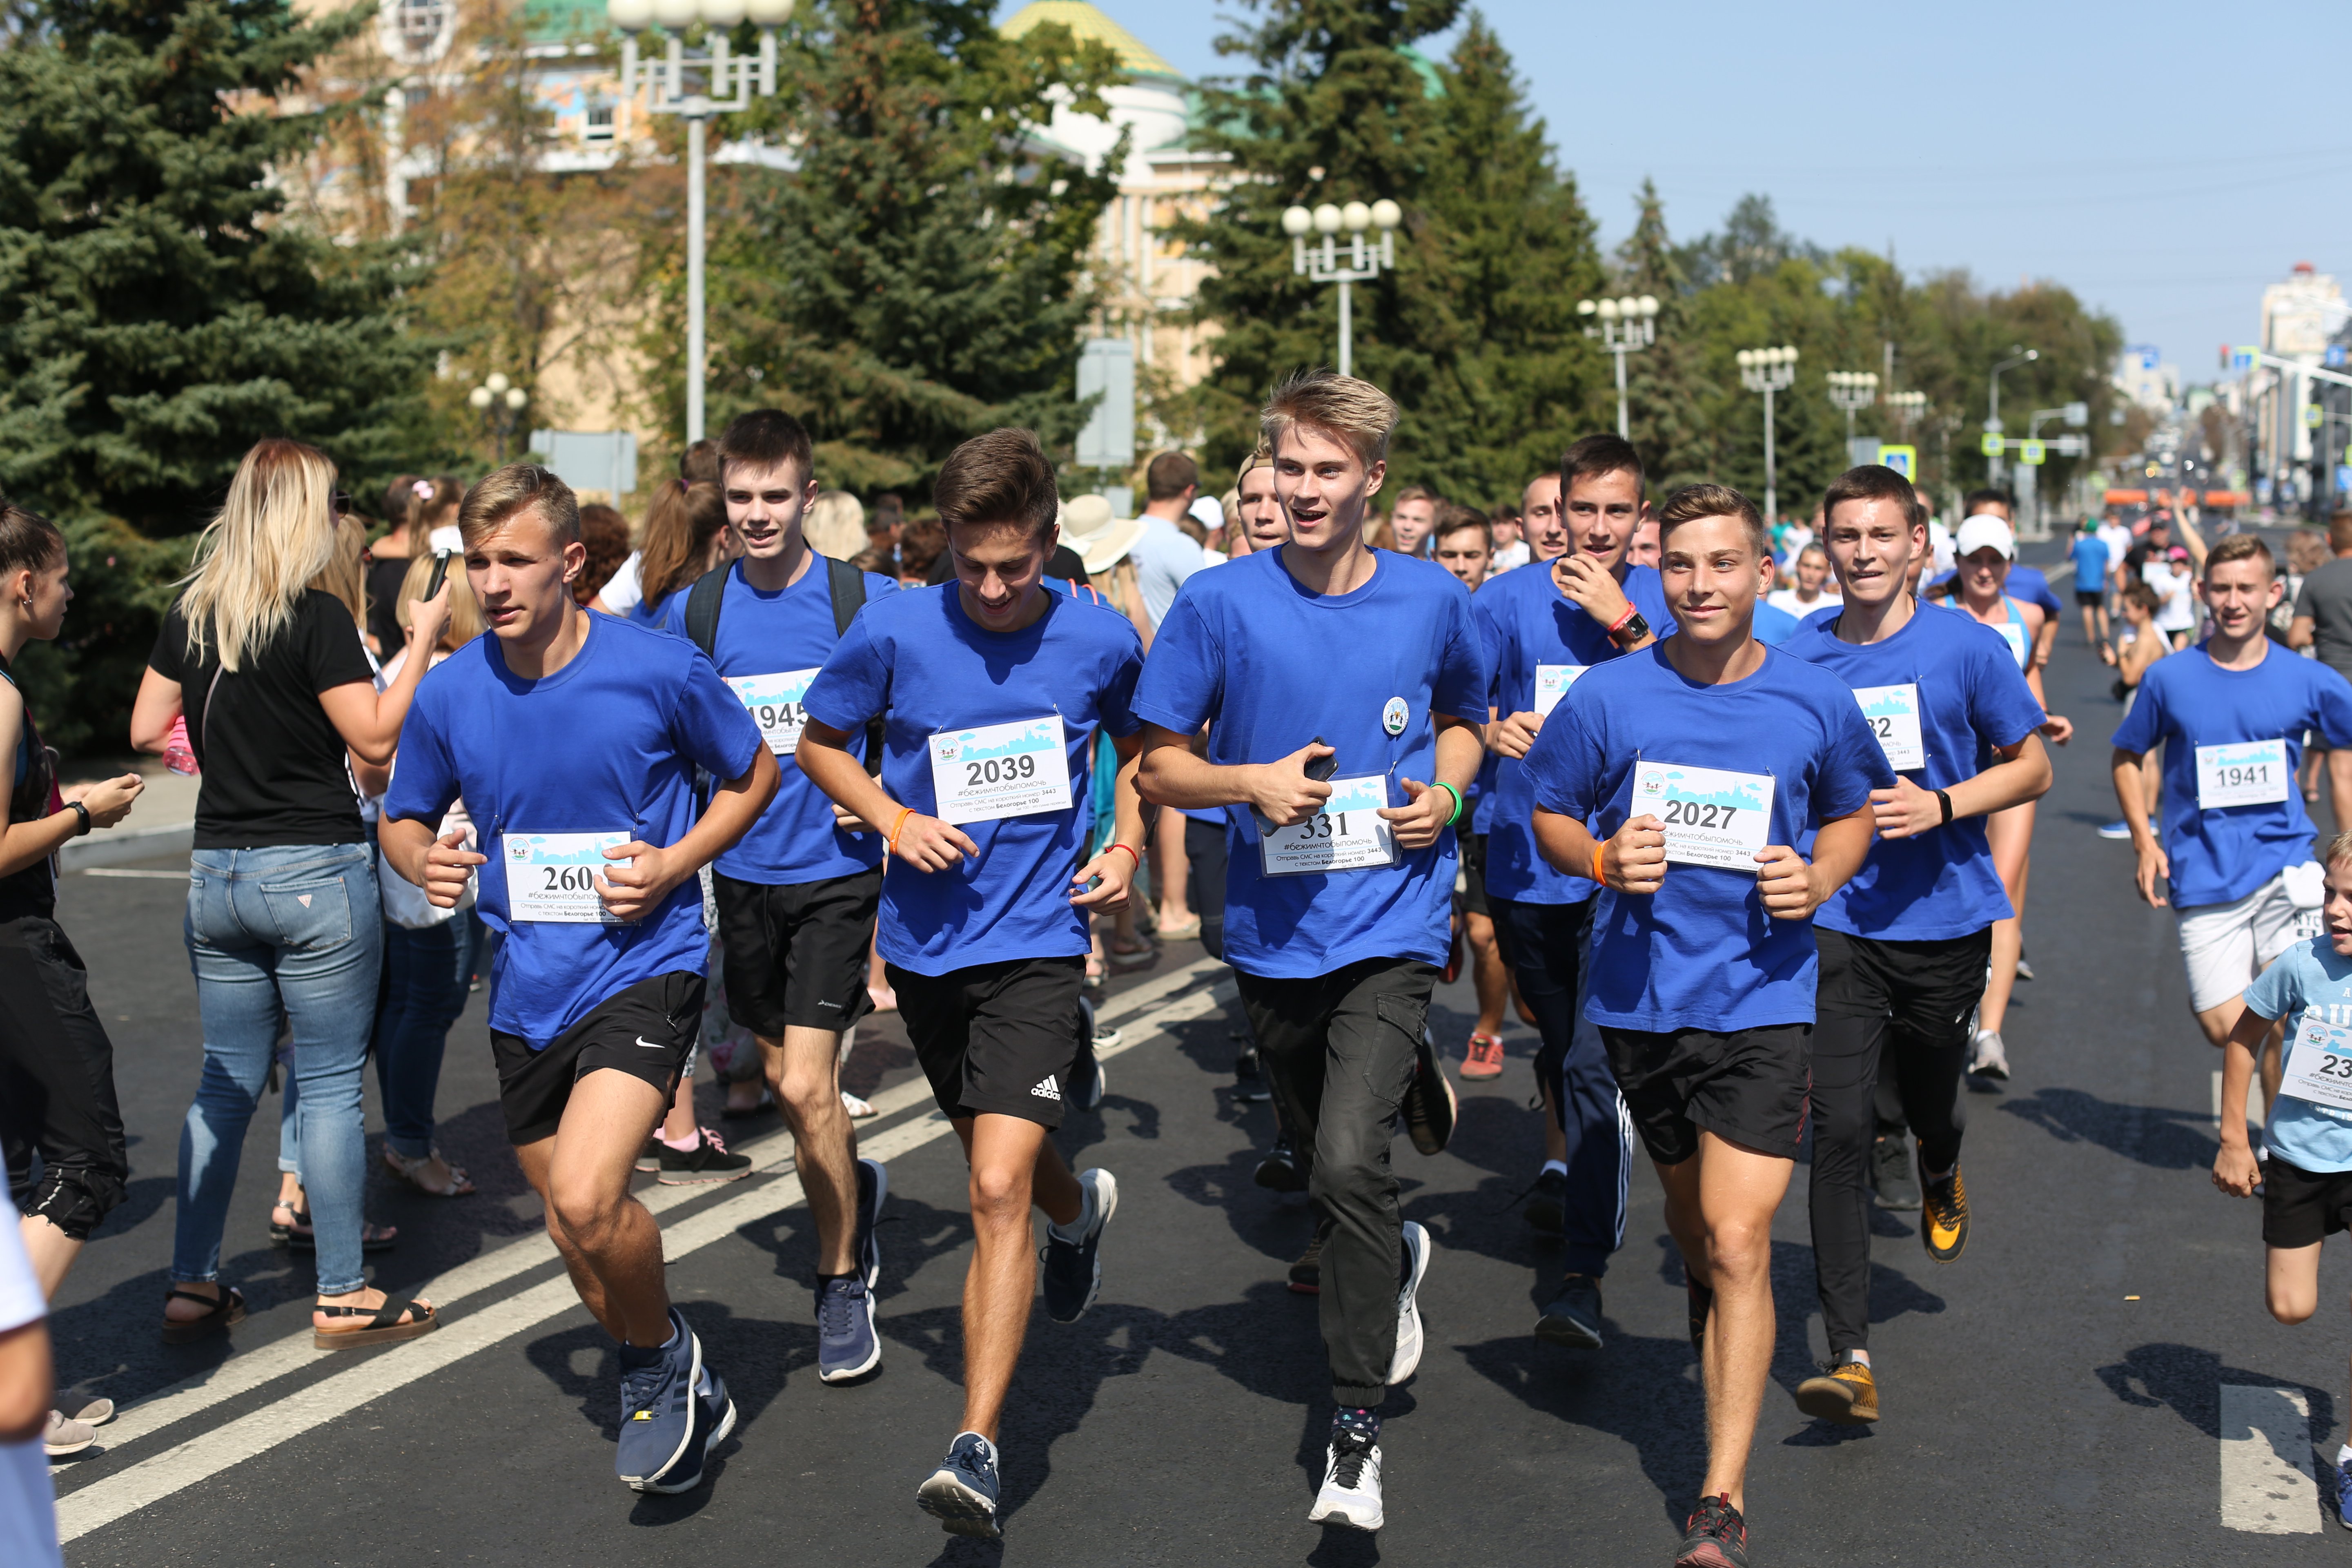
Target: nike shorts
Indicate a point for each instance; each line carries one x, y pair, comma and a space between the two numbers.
648, 1030
996, 1037
2226, 947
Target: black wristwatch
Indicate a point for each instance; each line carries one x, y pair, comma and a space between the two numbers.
1946, 801
81, 811
1634, 630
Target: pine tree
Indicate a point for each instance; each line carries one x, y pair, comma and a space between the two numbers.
156, 315
1663, 381
1475, 334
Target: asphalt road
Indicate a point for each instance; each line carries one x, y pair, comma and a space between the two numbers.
2055, 1395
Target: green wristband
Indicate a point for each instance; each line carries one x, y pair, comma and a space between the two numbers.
1457, 801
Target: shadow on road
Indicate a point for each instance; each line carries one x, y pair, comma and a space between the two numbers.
2155, 1136
2187, 1381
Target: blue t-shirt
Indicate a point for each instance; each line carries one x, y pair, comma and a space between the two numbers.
919, 661
1970, 699
2089, 554
658, 613
607, 744
2309, 981
784, 633
1269, 666
1525, 621
1701, 953
2188, 701
2028, 585
1774, 626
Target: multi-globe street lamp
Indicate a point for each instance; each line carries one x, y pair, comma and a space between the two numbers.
728, 84
1853, 391
1627, 326
1768, 371
1325, 262
498, 401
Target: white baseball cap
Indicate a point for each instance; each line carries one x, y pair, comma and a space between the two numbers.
1982, 529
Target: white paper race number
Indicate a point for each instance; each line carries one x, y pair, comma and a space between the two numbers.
1000, 770
2251, 773
1893, 715
774, 704
1552, 681
1347, 835
2319, 1067
553, 876
1712, 817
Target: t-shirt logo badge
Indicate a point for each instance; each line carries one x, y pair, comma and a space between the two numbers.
1393, 716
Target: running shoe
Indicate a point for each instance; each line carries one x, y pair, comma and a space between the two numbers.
961, 1493
1483, 1057
1249, 1079
2024, 970
1843, 1394
1350, 1493
1716, 1537
1944, 1224
1279, 1170
1990, 1059
67, 1437
1408, 1339
873, 1189
714, 1418
1573, 1319
846, 1344
706, 1162
1702, 1302
2119, 828
1306, 1274
1547, 1209
2344, 1495
649, 1157
1073, 1272
657, 1406
1890, 1173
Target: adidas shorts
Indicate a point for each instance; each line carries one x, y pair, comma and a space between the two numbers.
2225, 947
996, 1037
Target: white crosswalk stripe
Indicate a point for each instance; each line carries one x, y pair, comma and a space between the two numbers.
2267, 1485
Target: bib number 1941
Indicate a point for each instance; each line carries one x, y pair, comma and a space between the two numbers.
2251, 773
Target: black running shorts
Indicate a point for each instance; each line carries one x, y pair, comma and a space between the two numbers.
795, 953
2303, 1208
647, 1031
1474, 874
1748, 1086
2087, 596
996, 1037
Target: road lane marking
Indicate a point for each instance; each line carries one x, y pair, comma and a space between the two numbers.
375, 1374
2267, 1485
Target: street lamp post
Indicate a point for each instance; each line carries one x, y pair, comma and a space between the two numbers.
1360, 263
728, 84
1768, 371
1627, 326
1993, 408
498, 401
1854, 391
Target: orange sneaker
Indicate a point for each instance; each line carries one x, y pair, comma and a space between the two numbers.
1484, 1057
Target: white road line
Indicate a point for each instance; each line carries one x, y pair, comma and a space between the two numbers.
2266, 1474
377, 1373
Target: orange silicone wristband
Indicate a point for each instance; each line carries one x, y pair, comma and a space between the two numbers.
891, 839
1597, 877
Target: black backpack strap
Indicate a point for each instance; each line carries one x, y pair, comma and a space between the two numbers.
702, 602
846, 583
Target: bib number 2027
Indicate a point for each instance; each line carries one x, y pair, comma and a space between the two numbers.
1711, 816
551, 876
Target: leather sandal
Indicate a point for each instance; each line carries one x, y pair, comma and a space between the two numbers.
411, 1170
300, 1236
383, 1325
227, 1310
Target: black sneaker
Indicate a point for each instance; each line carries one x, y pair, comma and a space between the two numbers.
1547, 1209
1306, 1274
1716, 1537
707, 1161
1573, 1318
1890, 1173
1279, 1170
961, 1494
1702, 1302
1249, 1079
1073, 1271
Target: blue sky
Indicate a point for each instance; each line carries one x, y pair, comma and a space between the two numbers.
2165, 161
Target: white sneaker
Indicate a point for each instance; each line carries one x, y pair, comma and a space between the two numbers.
1351, 1485
1408, 1339
1991, 1058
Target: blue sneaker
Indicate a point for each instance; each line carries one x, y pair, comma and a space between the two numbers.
1073, 1268
714, 1418
873, 1187
846, 1344
2119, 828
2344, 1495
961, 1493
657, 1415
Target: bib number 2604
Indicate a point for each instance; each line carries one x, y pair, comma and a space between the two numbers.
551, 876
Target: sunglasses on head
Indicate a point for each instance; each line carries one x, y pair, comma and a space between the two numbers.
341, 501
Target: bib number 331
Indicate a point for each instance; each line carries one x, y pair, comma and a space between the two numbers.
551, 876
1712, 817
1348, 835
1000, 770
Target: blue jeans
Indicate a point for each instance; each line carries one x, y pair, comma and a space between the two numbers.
426, 972
288, 936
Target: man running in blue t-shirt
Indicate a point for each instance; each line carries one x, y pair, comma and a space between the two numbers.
574, 739
796, 897
2230, 714
1700, 763
990, 688
1539, 632
1904, 944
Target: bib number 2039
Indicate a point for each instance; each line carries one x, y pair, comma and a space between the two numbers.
551, 876
997, 771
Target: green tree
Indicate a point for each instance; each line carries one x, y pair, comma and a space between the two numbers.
1475, 334
155, 316
1664, 387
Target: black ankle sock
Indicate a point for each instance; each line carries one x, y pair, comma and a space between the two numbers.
1358, 1419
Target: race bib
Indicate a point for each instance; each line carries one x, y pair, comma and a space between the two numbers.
1348, 835
1893, 715
1552, 681
774, 704
551, 876
1712, 817
2251, 773
1000, 770
2319, 1067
